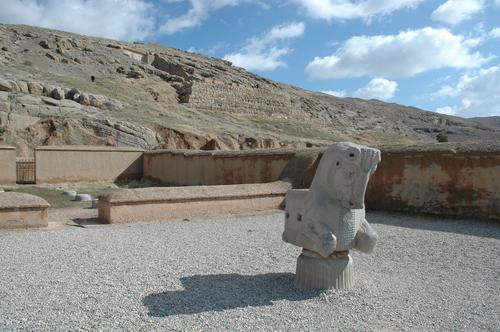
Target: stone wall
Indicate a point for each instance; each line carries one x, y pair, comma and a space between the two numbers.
7, 165
451, 179
187, 167
60, 164
211, 94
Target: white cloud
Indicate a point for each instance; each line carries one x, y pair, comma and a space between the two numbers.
199, 11
445, 91
495, 32
405, 54
348, 9
377, 88
130, 19
447, 110
336, 93
285, 31
456, 11
479, 93
263, 53
269, 60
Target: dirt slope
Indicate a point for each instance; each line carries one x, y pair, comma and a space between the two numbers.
151, 96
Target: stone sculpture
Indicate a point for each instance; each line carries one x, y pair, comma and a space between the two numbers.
328, 219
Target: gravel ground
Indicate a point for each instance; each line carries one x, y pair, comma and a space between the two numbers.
427, 273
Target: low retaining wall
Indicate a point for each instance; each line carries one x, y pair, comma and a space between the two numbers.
167, 203
457, 179
61, 164
188, 168
7, 165
451, 179
19, 210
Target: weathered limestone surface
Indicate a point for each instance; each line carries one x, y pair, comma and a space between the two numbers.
187, 167
7, 165
61, 164
185, 99
19, 210
329, 219
167, 203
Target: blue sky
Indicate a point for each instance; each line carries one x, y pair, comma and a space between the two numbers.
438, 55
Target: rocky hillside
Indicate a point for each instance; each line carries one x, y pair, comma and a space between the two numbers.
63, 88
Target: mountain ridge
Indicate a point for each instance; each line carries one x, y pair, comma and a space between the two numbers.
151, 96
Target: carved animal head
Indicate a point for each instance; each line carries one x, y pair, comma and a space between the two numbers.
343, 173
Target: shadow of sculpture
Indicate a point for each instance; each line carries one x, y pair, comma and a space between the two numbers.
225, 291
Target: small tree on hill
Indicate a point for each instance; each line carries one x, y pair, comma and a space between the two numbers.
442, 137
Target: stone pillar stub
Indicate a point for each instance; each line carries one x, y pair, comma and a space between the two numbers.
323, 273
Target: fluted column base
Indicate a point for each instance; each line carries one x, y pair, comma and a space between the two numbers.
324, 273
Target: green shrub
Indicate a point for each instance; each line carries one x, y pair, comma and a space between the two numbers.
442, 138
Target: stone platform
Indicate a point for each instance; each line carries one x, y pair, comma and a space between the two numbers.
19, 210
169, 203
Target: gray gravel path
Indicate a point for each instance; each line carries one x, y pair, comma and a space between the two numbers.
427, 273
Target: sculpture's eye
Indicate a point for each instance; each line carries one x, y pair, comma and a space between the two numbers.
338, 163
351, 155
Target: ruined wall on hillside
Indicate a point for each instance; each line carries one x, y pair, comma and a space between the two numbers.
235, 97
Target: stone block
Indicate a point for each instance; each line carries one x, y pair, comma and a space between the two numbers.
7, 163
70, 193
19, 210
83, 198
149, 204
35, 88
5, 85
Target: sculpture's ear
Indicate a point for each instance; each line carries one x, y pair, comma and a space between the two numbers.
371, 158
328, 164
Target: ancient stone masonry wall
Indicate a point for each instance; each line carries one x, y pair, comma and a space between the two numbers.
449, 179
463, 183
187, 168
169, 67
7, 165
234, 97
60, 164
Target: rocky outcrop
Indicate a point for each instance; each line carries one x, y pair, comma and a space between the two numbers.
150, 96
170, 67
